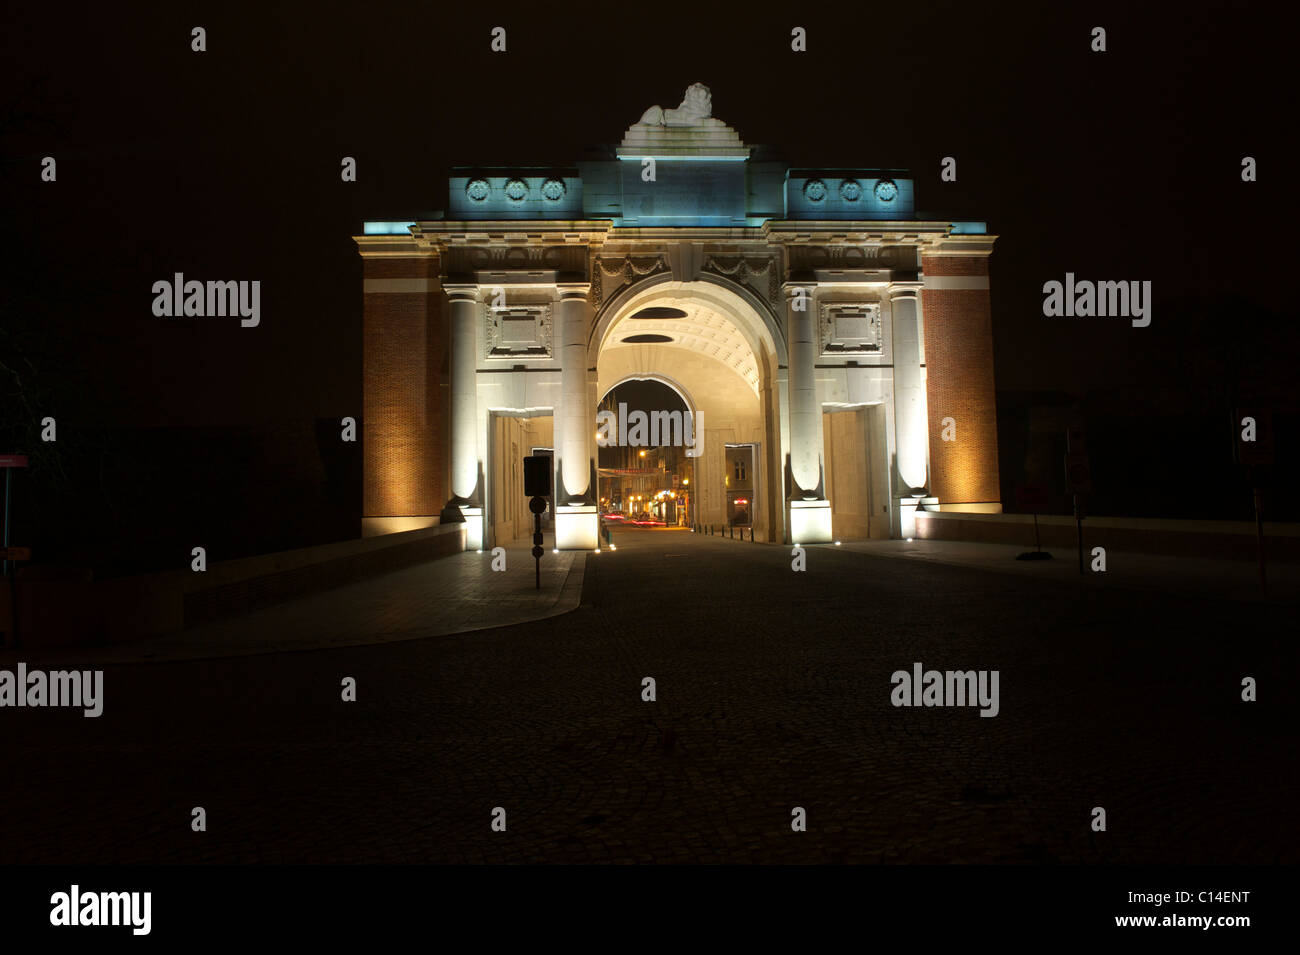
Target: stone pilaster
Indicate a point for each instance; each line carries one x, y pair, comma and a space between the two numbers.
577, 522
809, 517
910, 438
465, 315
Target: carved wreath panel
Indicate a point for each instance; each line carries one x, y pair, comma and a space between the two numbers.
519, 331
851, 329
613, 272
749, 270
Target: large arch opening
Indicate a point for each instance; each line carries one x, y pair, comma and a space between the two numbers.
711, 351
645, 465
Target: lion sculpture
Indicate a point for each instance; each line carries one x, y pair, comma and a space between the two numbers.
696, 110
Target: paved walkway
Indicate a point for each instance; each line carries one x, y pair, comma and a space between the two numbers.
451, 595
774, 690
1199, 576
462, 593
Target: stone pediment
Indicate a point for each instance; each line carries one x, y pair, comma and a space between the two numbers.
688, 130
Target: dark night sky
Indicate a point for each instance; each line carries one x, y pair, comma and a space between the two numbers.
1123, 165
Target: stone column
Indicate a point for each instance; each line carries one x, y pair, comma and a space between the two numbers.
462, 362
909, 393
576, 518
810, 512
911, 439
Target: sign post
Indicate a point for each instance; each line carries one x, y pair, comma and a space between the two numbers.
9, 462
1079, 477
537, 485
1033, 497
1256, 453
12, 554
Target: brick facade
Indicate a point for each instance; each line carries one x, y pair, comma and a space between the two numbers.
959, 384
955, 264
404, 370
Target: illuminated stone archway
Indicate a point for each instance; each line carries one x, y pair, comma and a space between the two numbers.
810, 296
722, 358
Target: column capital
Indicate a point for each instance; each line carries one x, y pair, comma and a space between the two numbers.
904, 289
797, 290
569, 291
463, 292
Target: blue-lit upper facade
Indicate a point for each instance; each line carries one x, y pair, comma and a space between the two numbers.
678, 168
694, 192
685, 192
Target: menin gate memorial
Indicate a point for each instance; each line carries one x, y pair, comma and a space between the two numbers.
807, 314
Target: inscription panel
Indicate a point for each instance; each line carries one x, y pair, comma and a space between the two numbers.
851, 329
519, 331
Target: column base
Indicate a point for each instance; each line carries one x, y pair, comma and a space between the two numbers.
907, 513
473, 527
810, 522
377, 526
577, 527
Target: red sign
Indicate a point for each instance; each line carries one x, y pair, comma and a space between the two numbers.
13, 460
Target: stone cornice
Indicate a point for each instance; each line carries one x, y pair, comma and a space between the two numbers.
841, 232
390, 246
444, 234
961, 245
438, 237
686, 234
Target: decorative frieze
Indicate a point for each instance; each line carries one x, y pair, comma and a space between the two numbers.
841, 256
749, 270
612, 272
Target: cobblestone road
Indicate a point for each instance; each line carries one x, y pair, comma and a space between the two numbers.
773, 692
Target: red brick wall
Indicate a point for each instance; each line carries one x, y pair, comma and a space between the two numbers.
955, 265
959, 384
404, 355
